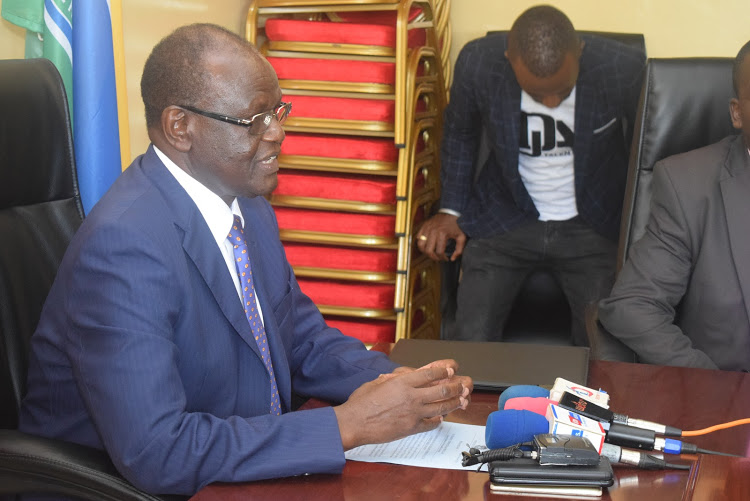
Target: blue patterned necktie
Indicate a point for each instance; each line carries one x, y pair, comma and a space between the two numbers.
242, 262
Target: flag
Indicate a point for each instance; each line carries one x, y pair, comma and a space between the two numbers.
96, 134
48, 33
84, 41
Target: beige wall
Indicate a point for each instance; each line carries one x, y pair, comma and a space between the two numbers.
145, 22
673, 28
12, 39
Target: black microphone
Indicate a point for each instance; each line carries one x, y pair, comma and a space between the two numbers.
593, 411
618, 455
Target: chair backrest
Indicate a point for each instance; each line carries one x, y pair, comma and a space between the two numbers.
684, 105
40, 210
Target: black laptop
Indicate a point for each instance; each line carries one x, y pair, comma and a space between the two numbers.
495, 365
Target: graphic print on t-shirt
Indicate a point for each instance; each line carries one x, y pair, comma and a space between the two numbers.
542, 133
545, 160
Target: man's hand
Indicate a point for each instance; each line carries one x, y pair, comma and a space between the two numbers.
434, 234
401, 404
465, 380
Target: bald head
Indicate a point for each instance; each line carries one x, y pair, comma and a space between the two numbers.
176, 71
542, 37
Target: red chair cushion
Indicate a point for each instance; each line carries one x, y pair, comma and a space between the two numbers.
338, 70
352, 294
367, 331
385, 17
327, 145
342, 108
294, 30
341, 258
373, 189
336, 222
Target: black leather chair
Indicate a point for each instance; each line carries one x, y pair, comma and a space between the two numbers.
40, 210
684, 105
540, 312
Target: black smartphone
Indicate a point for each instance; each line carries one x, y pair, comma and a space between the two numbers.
525, 471
450, 247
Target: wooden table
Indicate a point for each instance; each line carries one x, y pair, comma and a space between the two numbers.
689, 399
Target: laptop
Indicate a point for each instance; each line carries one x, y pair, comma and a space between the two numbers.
495, 366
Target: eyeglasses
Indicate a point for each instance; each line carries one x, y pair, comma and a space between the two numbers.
256, 125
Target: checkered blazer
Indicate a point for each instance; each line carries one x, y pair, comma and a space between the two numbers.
486, 98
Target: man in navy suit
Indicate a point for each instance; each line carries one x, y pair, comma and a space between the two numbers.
144, 348
551, 106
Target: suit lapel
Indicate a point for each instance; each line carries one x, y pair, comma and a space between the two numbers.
199, 245
735, 190
214, 271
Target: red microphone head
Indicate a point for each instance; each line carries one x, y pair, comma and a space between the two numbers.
537, 405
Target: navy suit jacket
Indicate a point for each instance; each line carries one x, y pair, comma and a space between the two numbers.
486, 98
143, 348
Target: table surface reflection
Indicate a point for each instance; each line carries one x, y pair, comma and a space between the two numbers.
689, 399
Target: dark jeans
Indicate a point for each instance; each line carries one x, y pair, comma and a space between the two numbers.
493, 270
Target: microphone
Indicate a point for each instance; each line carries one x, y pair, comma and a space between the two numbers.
537, 405
591, 410
533, 398
511, 427
565, 421
577, 414
599, 397
617, 454
521, 390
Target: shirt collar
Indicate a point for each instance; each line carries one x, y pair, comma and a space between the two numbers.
218, 216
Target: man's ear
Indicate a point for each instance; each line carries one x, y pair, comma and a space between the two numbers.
734, 112
175, 126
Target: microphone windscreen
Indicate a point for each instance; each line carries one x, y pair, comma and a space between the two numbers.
510, 427
537, 405
521, 390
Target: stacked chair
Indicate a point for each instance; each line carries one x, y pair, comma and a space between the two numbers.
359, 169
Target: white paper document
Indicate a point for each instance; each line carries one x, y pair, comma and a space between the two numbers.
439, 448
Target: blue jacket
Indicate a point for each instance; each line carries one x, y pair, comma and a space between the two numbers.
143, 348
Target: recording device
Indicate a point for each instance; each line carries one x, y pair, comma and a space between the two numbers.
555, 461
545, 448
565, 450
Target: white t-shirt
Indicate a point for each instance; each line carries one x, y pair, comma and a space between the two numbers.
545, 160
